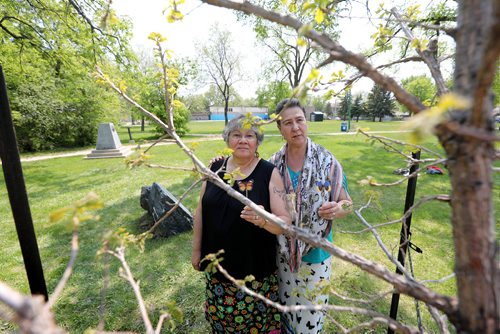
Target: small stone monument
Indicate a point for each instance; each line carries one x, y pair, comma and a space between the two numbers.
158, 201
108, 144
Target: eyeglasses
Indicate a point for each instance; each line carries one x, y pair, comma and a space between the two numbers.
236, 136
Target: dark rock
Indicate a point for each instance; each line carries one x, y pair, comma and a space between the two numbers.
157, 201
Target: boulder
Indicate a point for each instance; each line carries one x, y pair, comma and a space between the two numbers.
157, 201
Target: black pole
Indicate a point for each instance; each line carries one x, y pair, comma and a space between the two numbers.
129, 133
404, 240
14, 180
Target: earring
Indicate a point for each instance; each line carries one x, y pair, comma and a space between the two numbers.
257, 154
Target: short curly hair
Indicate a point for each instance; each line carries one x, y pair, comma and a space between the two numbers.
236, 124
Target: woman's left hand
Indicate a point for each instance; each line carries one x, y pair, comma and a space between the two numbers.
251, 216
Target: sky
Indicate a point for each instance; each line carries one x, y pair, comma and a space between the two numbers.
184, 37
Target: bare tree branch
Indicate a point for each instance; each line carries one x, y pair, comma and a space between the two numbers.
401, 284
127, 274
428, 55
32, 315
67, 272
177, 204
334, 49
440, 321
443, 198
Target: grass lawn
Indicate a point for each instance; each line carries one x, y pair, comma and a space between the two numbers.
164, 269
328, 126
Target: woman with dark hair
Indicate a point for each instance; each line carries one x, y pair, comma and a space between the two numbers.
314, 180
248, 240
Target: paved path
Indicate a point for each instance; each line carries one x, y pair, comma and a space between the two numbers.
87, 151
170, 142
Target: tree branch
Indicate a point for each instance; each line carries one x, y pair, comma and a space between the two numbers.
120, 255
376, 317
402, 285
331, 47
429, 55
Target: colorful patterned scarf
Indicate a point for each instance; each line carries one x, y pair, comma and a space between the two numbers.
320, 180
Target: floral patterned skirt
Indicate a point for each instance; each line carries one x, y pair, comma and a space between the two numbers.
230, 310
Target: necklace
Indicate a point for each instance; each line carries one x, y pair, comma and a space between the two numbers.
244, 168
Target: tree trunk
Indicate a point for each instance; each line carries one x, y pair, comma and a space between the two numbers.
226, 107
469, 164
142, 124
225, 96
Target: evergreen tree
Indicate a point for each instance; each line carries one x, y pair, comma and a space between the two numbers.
358, 108
345, 105
380, 103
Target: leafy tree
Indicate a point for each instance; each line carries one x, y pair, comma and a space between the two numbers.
152, 92
54, 110
65, 33
195, 103
221, 63
422, 87
248, 102
213, 97
319, 102
292, 55
48, 50
380, 103
271, 94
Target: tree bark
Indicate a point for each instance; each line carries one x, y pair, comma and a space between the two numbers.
469, 164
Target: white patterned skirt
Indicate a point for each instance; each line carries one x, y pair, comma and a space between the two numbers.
293, 287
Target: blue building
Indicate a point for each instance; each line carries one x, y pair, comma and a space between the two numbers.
217, 113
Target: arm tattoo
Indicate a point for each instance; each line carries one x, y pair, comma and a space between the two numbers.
281, 193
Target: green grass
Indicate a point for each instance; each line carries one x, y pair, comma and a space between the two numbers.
164, 268
329, 126
148, 134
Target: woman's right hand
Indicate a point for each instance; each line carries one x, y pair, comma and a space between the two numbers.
196, 259
213, 160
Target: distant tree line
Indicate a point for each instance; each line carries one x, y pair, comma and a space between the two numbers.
380, 103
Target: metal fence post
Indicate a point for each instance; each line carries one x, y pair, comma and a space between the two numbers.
16, 188
405, 233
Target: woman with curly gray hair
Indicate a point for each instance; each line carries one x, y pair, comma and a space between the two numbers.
248, 240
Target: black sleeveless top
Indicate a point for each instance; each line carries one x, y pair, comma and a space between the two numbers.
248, 249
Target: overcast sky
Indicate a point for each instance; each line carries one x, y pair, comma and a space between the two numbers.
147, 17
